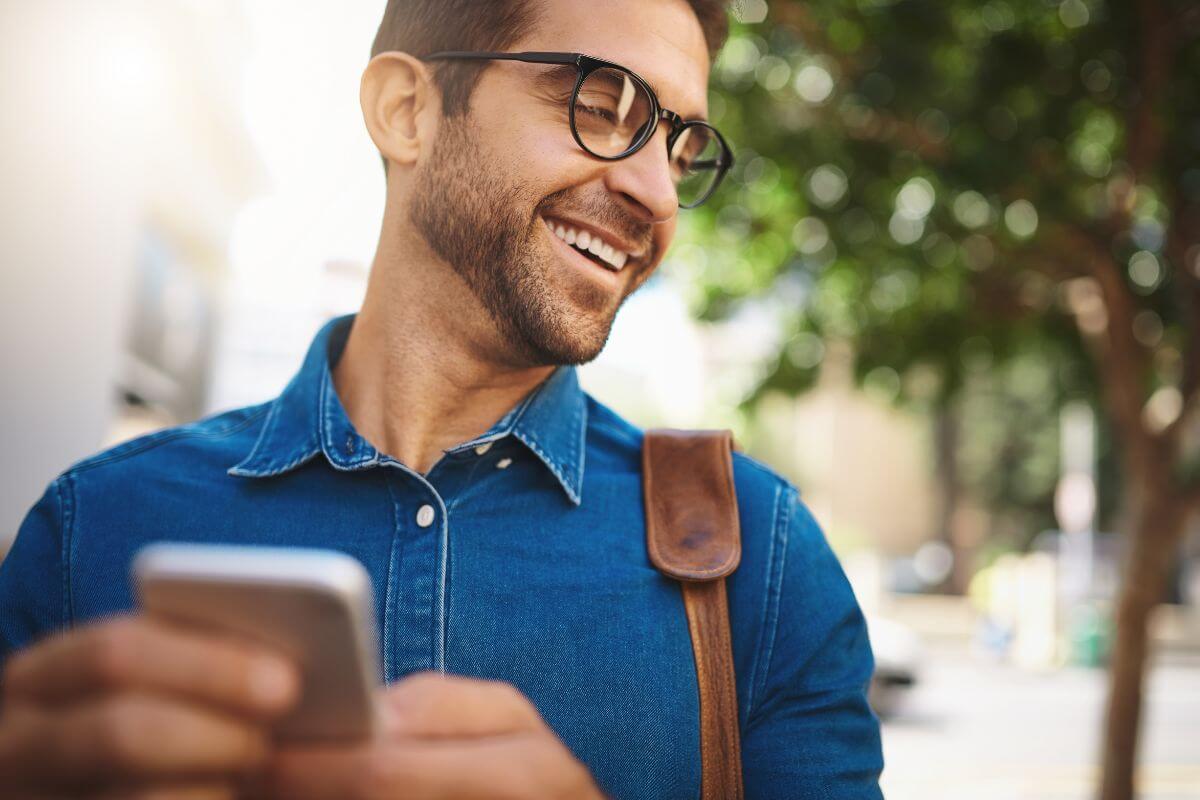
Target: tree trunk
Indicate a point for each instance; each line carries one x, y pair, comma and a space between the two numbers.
1156, 531
945, 441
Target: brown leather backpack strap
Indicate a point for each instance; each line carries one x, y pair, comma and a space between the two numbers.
692, 535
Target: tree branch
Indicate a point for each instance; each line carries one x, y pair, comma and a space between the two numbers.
1146, 125
1122, 361
1145, 128
1191, 497
1183, 232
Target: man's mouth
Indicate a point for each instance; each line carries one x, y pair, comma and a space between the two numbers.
589, 245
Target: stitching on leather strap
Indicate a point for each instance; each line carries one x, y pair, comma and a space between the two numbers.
683, 471
720, 745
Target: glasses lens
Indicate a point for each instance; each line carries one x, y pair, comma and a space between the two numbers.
698, 160
612, 112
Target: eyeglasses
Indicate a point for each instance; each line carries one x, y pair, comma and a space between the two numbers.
614, 112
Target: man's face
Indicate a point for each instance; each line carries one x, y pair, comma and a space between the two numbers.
504, 177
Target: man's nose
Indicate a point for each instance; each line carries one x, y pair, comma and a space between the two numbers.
643, 180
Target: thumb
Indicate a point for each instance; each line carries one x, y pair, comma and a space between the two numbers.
431, 705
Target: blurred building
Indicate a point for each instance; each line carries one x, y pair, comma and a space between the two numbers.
125, 160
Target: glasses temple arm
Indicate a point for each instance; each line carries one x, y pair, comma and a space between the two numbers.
533, 57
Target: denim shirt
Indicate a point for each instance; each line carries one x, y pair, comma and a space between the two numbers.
533, 570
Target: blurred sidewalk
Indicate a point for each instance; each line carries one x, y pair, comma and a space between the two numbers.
991, 731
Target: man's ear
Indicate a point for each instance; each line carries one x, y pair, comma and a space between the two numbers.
398, 105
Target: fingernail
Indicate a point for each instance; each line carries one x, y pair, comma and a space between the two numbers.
270, 681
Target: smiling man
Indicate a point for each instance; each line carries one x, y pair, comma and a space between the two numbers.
537, 156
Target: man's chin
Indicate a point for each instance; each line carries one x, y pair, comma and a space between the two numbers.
562, 351
561, 341
569, 324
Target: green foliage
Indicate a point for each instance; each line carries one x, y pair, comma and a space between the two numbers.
910, 175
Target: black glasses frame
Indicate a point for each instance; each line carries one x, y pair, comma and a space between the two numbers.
586, 65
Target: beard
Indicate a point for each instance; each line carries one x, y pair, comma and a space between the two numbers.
487, 230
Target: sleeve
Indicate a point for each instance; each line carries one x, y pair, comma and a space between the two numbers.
810, 733
32, 577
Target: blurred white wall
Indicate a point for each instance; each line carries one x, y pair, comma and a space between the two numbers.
116, 119
301, 246
68, 230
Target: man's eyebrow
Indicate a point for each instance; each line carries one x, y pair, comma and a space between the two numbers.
686, 117
554, 76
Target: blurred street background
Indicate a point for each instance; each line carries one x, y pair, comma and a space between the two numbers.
985, 728
952, 290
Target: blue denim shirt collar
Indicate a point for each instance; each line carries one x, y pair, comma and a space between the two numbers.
308, 418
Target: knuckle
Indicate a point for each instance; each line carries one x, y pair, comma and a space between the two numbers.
184, 792
113, 651
420, 711
551, 770
121, 730
16, 673
517, 782
423, 690
253, 748
509, 692
423, 681
376, 780
512, 697
151, 793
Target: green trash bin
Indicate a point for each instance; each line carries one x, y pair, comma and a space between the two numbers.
1089, 634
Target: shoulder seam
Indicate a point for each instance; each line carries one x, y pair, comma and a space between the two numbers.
776, 558
764, 469
162, 437
607, 427
66, 522
606, 417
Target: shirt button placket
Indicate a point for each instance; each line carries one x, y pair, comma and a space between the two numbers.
415, 599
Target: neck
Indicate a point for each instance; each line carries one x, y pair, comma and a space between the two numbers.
423, 368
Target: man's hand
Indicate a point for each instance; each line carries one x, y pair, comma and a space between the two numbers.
445, 737
134, 707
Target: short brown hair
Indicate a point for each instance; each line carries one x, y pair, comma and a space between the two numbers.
421, 27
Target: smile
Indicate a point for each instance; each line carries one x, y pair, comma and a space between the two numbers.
590, 245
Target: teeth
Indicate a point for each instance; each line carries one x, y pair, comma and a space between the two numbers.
584, 240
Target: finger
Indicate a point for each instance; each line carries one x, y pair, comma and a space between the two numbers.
173, 791
20, 753
137, 653
513, 765
431, 705
130, 739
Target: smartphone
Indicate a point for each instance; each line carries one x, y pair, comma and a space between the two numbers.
312, 606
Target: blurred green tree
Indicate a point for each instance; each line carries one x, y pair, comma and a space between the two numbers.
956, 187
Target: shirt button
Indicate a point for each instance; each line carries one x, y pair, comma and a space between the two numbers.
482, 448
425, 515
503, 463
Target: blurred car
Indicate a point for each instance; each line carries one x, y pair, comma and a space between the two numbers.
897, 663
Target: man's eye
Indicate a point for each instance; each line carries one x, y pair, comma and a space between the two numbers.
596, 112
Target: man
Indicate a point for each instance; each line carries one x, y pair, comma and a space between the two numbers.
441, 438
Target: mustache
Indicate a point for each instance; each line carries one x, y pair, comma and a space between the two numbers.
605, 213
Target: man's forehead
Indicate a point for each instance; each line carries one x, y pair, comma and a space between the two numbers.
661, 40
